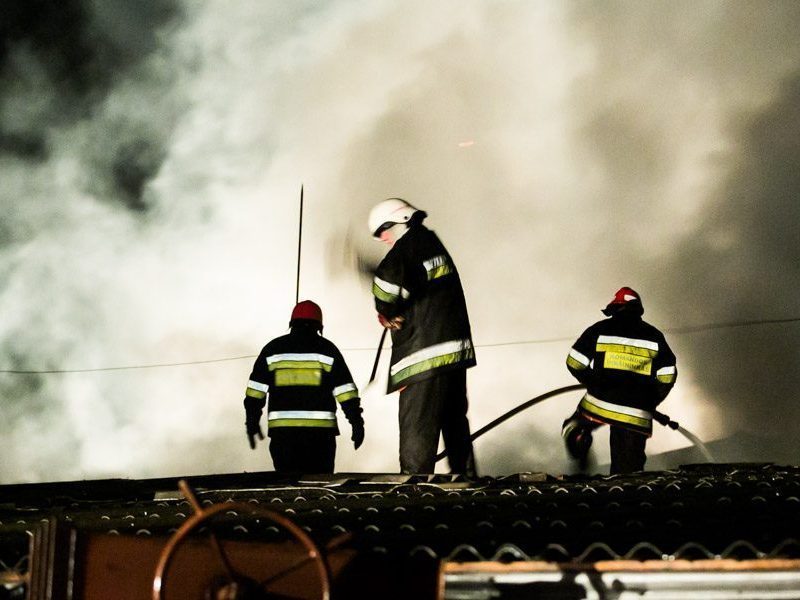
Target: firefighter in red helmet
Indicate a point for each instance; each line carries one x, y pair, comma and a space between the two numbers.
305, 377
418, 296
628, 369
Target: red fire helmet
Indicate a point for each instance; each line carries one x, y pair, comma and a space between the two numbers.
307, 310
625, 295
625, 301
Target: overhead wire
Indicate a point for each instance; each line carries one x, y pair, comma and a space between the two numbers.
673, 330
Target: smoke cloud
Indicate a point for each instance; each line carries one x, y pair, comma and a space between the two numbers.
151, 162
746, 260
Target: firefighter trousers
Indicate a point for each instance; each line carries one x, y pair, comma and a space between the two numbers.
627, 446
627, 450
428, 408
302, 449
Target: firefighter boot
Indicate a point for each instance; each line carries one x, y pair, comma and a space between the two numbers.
578, 440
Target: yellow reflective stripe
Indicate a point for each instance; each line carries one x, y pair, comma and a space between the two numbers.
426, 365
581, 358
257, 389
302, 423
429, 352
300, 356
666, 374
284, 377
300, 364
383, 296
626, 362
464, 352
345, 392
345, 387
257, 385
607, 412
571, 362
438, 266
301, 418
626, 349
346, 396
439, 272
388, 292
625, 341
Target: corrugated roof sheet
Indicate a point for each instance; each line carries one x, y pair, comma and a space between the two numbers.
697, 512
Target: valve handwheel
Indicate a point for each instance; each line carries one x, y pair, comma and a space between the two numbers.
241, 570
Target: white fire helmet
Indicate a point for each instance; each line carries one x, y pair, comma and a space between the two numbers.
387, 213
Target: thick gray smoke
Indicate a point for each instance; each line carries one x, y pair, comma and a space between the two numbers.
745, 267
83, 128
604, 169
151, 160
710, 160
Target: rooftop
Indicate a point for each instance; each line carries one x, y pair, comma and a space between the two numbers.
389, 524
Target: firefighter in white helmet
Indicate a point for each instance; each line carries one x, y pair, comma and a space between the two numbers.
418, 296
305, 378
628, 369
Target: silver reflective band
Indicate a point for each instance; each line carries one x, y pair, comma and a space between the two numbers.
391, 288
431, 352
625, 410
301, 414
579, 357
613, 339
347, 387
257, 385
436, 261
666, 371
296, 357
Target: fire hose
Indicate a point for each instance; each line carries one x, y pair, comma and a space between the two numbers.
659, 417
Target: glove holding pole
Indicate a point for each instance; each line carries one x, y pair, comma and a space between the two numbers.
391, 323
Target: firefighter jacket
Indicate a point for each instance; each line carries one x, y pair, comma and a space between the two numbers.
628, 369
305, 377
418, 281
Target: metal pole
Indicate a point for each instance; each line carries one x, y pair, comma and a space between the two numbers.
299, 247
377, 357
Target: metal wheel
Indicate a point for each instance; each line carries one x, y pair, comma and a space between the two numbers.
195, 566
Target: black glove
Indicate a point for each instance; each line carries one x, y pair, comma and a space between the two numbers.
358, 435
253, 409
253, 430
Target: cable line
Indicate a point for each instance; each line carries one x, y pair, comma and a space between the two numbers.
125, 367
674, 330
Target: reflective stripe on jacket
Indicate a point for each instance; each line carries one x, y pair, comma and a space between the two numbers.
628, 369
616, 414
417, 280
303, 377
301, 418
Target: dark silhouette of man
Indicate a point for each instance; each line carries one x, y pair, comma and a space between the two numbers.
305, 377
628, 369
419, 298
